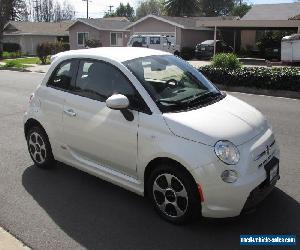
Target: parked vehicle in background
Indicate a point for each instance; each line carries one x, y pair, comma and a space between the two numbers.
205, 50
290, 49
158, 42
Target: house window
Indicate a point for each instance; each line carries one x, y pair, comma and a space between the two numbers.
82, 37
116, 39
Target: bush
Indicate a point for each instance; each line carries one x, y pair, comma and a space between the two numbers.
285, 78
11, 47
12, 55
43, 51
226, 61
187, 53
93, 43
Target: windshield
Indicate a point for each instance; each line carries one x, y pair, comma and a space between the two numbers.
173, 83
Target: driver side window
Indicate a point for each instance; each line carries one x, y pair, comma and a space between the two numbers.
99, 80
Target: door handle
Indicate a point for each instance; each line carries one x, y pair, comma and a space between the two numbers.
70, 112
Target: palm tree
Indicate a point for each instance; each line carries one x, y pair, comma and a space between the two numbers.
182, 7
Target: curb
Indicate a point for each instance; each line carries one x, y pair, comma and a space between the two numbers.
255, 91
9, 242
15, 69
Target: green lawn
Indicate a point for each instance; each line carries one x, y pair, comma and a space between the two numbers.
26, 60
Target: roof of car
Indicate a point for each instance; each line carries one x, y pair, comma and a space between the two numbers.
119, 54
210, 42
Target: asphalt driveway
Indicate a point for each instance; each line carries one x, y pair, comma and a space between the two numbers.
67, 209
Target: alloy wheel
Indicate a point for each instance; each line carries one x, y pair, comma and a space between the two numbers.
37, 148
170, 195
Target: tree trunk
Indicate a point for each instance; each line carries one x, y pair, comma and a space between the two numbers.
1, 41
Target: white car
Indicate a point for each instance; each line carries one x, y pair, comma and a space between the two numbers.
151, 123
159, 42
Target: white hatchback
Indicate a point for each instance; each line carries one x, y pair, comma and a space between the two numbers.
151, 123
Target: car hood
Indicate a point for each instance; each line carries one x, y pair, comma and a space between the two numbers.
229, 119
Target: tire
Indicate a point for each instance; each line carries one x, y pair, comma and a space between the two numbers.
39, 148
176, 53
177, 202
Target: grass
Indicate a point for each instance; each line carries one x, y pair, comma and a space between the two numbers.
26, 60
15, 64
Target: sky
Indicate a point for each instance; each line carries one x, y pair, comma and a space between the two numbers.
97, 8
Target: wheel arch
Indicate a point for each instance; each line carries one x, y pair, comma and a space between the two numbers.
167, 161
30, 123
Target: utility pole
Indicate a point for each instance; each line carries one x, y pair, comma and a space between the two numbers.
110, 8
87, 8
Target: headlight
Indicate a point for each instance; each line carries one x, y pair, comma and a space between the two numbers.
227, 152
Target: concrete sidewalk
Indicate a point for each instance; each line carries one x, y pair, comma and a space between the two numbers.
8, 242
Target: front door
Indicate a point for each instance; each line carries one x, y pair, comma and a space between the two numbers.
93, 132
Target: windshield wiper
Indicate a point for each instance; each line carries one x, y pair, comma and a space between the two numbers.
176, 102
208, 96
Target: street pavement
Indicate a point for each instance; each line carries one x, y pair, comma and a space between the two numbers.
65, 208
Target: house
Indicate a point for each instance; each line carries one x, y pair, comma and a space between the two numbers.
275, 16
30, 34
183, 29
109, 31
262, 18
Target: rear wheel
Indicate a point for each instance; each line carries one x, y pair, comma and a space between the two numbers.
39, 148
174, 194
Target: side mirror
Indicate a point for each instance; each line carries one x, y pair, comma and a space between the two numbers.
117, 102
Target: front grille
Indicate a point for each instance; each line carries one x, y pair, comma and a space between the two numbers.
268, 152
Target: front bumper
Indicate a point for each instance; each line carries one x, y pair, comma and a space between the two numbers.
223, 199
258, 194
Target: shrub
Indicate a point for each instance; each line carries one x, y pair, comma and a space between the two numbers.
46, 49
11, 47
43, 51
93, 43
226, 61
11, 55
285, 78
187, 53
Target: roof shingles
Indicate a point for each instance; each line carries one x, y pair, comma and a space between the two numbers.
284, 11
38, 28
105, 24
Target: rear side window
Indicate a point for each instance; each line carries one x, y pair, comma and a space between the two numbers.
155, 40
138, 41
62, 76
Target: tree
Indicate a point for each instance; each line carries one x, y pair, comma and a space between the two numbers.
9, 10
122, 11
50, 10
240, 10
182, 7
217, 7
47, 10
153, 7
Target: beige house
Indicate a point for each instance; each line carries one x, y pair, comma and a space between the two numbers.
29, 34
109, 31
183, 29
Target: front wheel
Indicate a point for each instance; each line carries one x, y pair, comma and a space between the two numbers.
174, 194
39, 148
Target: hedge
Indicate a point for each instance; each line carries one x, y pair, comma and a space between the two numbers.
283, 78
